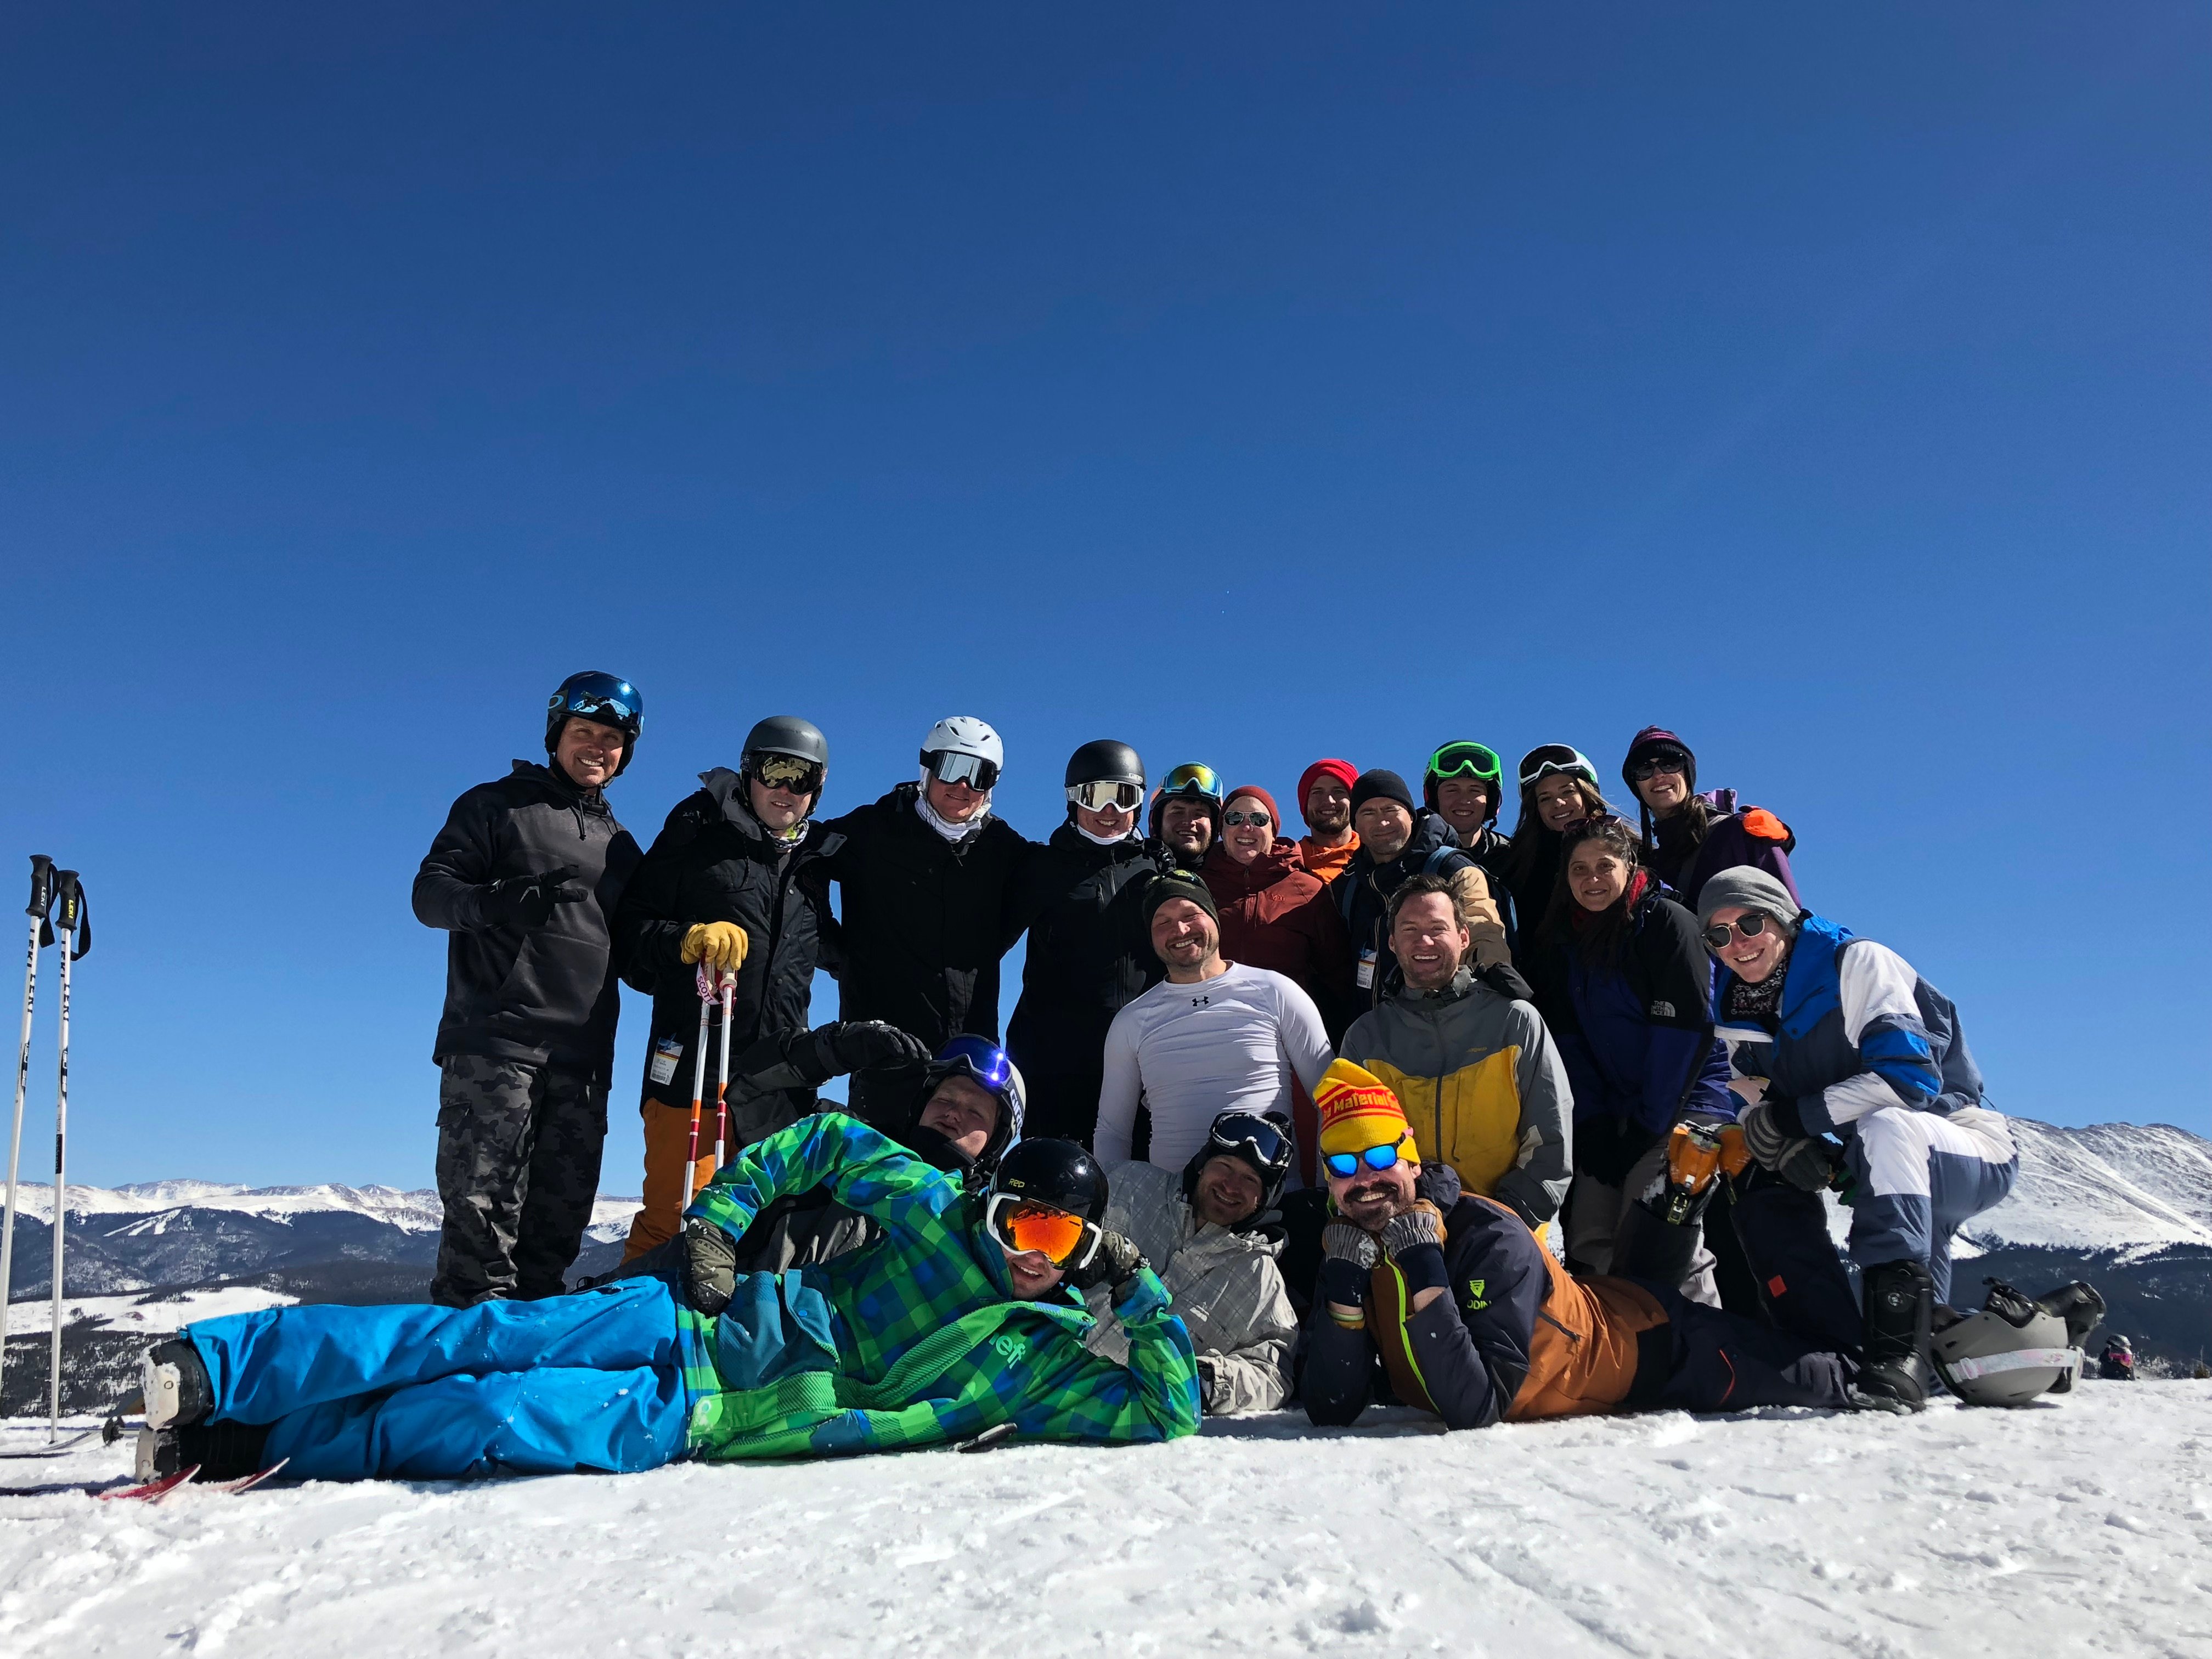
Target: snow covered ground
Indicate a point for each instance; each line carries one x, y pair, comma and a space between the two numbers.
2080, 1525
152, 1313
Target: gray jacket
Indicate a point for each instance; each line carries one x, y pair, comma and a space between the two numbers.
1225, 1287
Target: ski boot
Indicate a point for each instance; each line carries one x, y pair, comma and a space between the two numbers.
1894, 1366
221, 1451
173, 1381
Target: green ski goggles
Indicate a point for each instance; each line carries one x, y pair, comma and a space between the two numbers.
1466, 760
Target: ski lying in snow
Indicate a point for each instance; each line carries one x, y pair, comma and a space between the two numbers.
997, 1434
155, 1491
251, 1481
57, 1448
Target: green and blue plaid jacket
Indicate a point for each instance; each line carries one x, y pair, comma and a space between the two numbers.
915, 1339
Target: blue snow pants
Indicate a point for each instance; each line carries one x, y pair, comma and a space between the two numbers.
592, 1380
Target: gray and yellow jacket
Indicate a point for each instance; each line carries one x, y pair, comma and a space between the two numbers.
1483, 1086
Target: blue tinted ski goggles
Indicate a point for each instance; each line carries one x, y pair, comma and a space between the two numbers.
597, 696
1345, 1165
979, 1057
1195, 779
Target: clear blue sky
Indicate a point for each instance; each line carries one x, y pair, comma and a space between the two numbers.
1252, 382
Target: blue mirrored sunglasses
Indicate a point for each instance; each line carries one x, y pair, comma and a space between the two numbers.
981, 1058
1343, 1164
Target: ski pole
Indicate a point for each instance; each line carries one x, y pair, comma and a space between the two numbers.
698, 1083
722, 1073
69, 907
42, 933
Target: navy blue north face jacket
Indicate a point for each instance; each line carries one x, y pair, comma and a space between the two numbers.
1857, 1030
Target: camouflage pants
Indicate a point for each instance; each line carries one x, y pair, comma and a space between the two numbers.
518, 1151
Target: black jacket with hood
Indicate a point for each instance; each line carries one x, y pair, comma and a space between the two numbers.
715, 862
1090, 953
924, 920
542, 994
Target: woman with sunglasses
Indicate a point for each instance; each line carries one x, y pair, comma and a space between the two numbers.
1275, 913
1834, 1035
1689, 837
1623, 981
1080, 899
1558, 787
926, 910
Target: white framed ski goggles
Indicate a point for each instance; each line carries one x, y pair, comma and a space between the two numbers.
1097, 796
1555, 758
1023, 1226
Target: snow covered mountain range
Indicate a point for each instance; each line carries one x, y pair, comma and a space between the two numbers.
2128, 1206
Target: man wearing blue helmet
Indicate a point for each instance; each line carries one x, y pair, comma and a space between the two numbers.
524, 879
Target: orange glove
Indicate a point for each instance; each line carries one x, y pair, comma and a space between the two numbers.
722, 945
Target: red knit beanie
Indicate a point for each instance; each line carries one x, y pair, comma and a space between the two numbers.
1274, 812
1343, 770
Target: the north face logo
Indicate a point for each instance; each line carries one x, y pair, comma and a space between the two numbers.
1662, 1011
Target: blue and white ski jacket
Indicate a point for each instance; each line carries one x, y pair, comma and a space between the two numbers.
1859, 1030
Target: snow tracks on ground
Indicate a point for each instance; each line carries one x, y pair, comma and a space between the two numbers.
2078, 1527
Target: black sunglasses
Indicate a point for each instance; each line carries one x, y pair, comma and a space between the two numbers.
1750, 925
1666, 760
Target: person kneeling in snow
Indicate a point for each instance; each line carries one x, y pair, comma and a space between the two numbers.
960, 1318
1213, 1233
1436, 1298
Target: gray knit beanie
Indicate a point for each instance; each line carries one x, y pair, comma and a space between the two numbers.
1749, 888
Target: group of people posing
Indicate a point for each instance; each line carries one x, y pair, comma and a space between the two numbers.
1405, 1109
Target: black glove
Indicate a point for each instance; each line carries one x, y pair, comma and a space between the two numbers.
1779, 1142
528, 901
710, 1264
832, 1050
862, 1045
1112, 1264
1348, 1256
1504, 978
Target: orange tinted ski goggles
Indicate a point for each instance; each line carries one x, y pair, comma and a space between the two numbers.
1023, 1225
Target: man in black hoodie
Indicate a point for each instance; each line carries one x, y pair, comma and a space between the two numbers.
525, 878
929, 902
724, 890
1081, 898
1398, 840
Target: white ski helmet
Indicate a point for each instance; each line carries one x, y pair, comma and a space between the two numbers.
960, 749
2016, 1348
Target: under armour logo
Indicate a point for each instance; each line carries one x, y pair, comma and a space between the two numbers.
1201, 1002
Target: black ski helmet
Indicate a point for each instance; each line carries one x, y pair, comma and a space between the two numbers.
991, 1069
1102, 760
1058, 1173
607, 699
1261, 1139
787, 734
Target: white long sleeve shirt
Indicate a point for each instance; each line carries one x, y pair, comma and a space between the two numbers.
1189, 1052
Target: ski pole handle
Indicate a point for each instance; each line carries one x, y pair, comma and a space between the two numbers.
71, 913
42, 887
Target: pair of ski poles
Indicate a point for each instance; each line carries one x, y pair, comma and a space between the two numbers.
56, 896
714, 986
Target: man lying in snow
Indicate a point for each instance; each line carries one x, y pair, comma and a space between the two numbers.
1213, 1233
961, 1316
1445, 1301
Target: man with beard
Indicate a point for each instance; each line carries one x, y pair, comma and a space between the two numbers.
1325, 803
1434, 1297
1213, 1235
1080, 898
